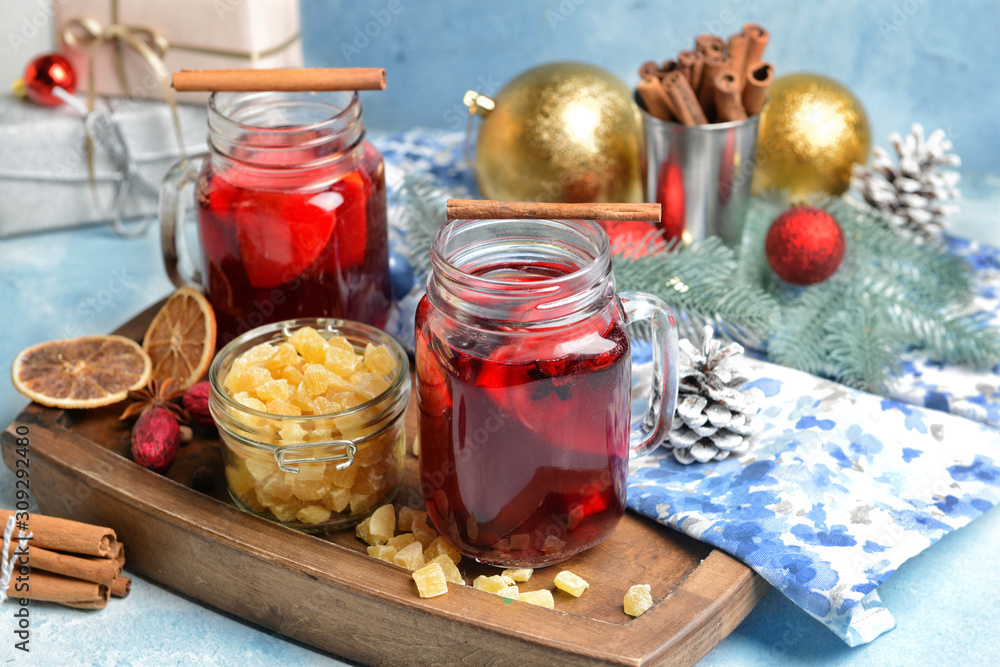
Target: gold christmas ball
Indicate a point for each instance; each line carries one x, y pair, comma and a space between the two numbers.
811, 132
562, 132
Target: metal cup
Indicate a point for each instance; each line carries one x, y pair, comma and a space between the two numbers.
701, 174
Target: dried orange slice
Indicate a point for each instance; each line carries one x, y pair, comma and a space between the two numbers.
181, 338
85, 372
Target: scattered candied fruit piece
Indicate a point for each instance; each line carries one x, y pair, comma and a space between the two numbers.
313, 514
424, 533
439, 546
638, 600
364, 533
411, 557
509, 592
403, 540
519, 574
383, 552
383, 523
451, 573
430, 581
493, 584
407, 515
571, 583
379, 360
542, 598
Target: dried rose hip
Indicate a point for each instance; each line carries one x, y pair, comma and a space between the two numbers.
155, 439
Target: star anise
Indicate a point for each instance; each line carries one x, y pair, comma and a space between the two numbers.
157, 395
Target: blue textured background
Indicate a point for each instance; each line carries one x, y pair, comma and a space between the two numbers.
906, 60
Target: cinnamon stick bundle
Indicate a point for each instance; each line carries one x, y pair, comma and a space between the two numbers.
122, 587
710, 45
757, 38
47, 587
706, 95
690, 64
475, 209
65, 535
649, 69
654, 96
737, 54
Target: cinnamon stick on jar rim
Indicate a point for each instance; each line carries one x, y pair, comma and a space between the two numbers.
758, 83
727, 97
286, 80
485, 209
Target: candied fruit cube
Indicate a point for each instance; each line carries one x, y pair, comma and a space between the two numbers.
638, 600
337, 499
313, 514
340, 361
542, 598
301, 398
246, 379
370, 480
362, 502
337, 385
316, 379
571, 583
372, 453
407, 515
310, 472
519, 574
261, 470
313, 490
275, 490
552, 544
270, 390
384, 552
520, 541
451, 573
411, 557
258, 354
349, 425
416, 445
285, 511
402, 540
284, 355
493, 584
239, 479
322, 406
424, 533
340, 341
292, 375
364, 533
439, 546
300, 336
344, 478
369, 385
291, 432
509, 592
247, 401
430, 581
383, 523
282, 407
379, 360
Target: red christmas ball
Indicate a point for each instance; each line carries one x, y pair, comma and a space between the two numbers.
805, 245
45, 73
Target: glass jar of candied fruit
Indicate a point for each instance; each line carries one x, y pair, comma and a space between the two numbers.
523, 384
291, 212
310, 415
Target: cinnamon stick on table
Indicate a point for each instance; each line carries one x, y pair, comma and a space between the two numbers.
65, 535
291, 79
475, 209
728, 104
683, 100
96, 570
48, 587
121, 588
758, 83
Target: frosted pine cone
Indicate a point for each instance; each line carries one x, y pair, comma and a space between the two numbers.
913, 193
714, 418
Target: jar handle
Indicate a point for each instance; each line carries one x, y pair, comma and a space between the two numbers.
642, 307
172, 239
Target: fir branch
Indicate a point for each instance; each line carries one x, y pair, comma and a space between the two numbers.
862, 349
799, 341
701, 283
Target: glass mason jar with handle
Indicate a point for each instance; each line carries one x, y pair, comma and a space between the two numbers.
524, 388
291, 212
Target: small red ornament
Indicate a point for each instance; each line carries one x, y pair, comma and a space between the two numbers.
43, 74
805, 245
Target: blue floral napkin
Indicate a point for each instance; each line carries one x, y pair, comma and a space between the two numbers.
839, 489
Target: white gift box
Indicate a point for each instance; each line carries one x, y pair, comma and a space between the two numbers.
187, 34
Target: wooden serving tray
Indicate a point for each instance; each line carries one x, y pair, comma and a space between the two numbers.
327, 592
